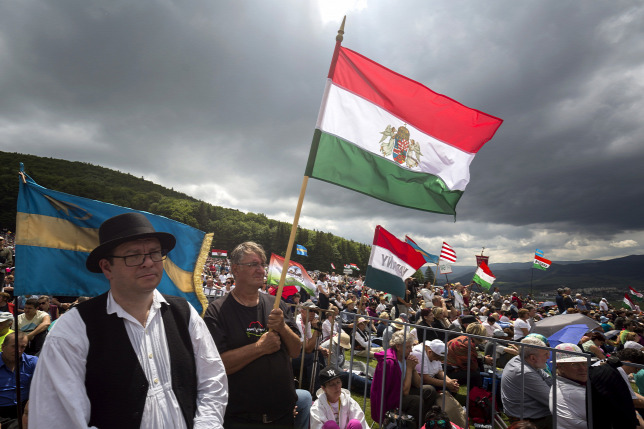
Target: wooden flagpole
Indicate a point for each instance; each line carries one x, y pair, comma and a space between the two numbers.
298, 209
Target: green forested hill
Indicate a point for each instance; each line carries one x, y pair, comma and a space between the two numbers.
230, 227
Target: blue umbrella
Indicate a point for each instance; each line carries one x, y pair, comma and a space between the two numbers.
568, 334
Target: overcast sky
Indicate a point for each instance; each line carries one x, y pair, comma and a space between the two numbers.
219, 99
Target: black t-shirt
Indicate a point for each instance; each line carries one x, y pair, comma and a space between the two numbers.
264, 386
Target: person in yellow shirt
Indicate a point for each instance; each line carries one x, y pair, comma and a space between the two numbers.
6, 319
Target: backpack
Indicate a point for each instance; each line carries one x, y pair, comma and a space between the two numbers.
480, 406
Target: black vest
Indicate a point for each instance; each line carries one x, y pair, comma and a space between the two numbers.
115, 382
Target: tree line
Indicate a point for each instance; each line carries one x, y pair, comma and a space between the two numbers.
230, 226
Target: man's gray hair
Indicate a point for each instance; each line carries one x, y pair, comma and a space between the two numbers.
398, 338
531, 351
247, 248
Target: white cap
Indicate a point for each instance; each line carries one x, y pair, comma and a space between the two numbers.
633, 345
437, 346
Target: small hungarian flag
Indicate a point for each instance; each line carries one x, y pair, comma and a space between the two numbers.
628, 301
389, 137
332, 266
218, 253
447, 253
636, 293
432, 259
540, 262
483, 276
391, 262
355, 267
301, 250
296, 277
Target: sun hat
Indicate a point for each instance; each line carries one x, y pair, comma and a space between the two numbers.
5, 315
563, 357
121, 229
539, 337
398, 324
437, 346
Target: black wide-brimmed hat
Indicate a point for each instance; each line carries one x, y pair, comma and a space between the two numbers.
123, 228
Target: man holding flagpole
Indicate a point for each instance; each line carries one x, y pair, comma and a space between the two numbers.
256, 343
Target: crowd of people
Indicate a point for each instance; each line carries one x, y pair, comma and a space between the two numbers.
240, 365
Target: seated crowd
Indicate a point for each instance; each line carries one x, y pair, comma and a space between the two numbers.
485, 336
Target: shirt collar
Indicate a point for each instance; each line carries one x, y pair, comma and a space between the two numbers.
114, 307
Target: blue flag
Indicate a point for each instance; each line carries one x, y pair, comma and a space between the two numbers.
301, 250
432, 259
56, 232
539, 252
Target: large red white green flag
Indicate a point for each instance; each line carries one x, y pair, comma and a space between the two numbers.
387, 136
391, 262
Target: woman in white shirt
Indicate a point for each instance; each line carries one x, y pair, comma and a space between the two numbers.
427, 292
521, 325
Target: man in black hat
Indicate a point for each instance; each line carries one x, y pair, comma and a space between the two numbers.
107, 362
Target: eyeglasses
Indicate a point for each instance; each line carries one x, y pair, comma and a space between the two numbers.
136, 260
42, 303
254, 265
436, 423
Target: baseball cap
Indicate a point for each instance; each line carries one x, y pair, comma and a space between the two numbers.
437, 346
5, 315
498, 333
563, 357
327, 374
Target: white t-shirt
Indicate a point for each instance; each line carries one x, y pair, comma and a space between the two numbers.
518, 324
428, 296
430, 368
628, 383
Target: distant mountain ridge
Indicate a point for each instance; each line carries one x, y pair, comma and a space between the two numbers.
614, 273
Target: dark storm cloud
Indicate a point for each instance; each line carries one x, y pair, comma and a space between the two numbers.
220, 99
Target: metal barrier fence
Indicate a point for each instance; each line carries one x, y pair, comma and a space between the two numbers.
446, 334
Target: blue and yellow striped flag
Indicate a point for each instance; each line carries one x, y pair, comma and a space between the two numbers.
301, 250
56, 232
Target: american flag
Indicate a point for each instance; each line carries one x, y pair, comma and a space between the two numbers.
447, 253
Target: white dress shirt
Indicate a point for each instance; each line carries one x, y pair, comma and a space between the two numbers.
60, 398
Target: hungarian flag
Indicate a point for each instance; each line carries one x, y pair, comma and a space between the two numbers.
332, 266
483, 276
390, 263
447, 253
296, 277
432, 259
628, 301
540, 262
354, 266
636, 293
389, 137
218, 253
